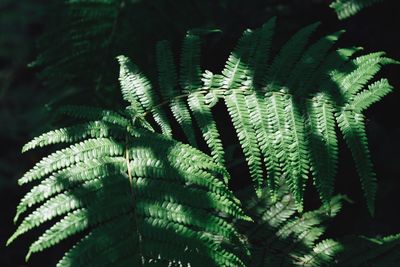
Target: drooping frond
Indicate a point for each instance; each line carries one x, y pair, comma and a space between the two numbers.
297, 148
136, 88
374, 93
348, 8
287, 56
259, 62
168, 83
236, 70
300, 75
334, 60
323, 144
191, 82
352, 126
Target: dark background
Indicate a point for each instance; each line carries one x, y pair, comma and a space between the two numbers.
24, 102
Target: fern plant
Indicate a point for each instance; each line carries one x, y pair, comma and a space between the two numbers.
142, 198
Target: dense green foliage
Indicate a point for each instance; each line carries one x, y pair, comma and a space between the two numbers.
142, 198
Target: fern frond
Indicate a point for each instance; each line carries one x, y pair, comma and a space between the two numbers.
353, 129
323, 252
309, 62
237, 67
374, 93
275, 118
168, 83
191, 83
323, 144
136, 86
152, 187
259, 62
235, 74
348, 8
287, 56
297, 149
257, 105
66, 202
365, 69
190, 72
86, 150
240, 115
334, 60
69, 178
93, 129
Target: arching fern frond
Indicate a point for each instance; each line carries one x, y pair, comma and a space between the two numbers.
146, 185
348, 8
191, 82
353, 128
136, 88
168, 82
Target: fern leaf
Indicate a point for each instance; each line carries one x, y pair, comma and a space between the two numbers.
297, 150
322, 253
136, 85
190, 73
276, 132
208, 127
321, 77
374, 93
308, 63
324, 145
89, 149
287, 56
191, 83
366, 68
64, 203
168, 83
236, 104
353, 130
258, 117
348, 8
156, 194
93, 129
259, 62
69, 178
236, 72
